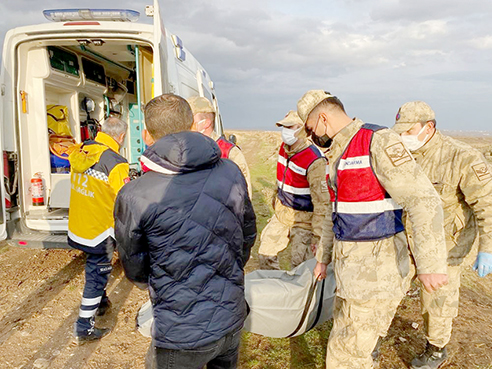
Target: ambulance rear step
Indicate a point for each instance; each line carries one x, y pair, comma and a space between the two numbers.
21, 236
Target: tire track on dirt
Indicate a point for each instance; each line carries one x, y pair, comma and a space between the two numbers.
63, 338
118, 298
38, 299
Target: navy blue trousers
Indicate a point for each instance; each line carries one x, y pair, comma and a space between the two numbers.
97, 271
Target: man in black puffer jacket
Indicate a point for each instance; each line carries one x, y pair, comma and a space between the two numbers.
185, 230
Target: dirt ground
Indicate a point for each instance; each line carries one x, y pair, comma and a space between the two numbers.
40, 292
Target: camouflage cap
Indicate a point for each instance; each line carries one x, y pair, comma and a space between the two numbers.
309, 101
290, 119
411, 113
200, 104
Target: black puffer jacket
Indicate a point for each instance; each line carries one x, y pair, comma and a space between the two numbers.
186, 228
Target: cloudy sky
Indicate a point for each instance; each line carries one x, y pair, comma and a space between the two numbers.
373, 54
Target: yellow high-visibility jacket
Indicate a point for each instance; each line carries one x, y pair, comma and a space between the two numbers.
98, 172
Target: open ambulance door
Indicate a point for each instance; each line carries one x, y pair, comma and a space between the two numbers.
3, 199
161, 83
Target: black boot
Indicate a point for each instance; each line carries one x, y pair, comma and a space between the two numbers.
84, 330
104, 305
432, 358
375, 353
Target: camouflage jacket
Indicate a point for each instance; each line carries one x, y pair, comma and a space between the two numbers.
313, 221
407, 184
461, 176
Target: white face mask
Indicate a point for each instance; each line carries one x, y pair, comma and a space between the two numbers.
412, 142
289, 135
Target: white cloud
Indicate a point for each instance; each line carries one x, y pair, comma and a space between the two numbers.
374, 54
482, 43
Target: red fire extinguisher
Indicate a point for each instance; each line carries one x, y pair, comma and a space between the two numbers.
6, 174
37, 190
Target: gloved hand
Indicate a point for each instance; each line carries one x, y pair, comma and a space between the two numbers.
483, 264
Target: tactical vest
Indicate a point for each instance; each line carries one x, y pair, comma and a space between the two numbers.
293, 186
362, 209
225, 147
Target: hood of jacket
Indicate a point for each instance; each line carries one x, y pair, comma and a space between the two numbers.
181, 152
84, 155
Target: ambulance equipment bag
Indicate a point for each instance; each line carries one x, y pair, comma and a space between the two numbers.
58, 123
281, 303
288, 303
59, 150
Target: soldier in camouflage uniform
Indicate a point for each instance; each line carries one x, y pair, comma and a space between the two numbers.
301, 201
204, 122
462, 177
372, 178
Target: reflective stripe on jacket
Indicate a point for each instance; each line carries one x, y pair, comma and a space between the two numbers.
362, 209
97, 174
292, 182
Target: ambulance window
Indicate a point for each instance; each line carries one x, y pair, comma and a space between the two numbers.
94, 71
207, 94
63, 60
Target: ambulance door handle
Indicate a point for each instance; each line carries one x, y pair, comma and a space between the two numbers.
24, 101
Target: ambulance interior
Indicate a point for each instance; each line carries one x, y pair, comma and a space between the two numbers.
66, 90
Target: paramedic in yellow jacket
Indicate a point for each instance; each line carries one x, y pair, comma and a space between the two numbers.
302, 198
462, 177
204, 122
372, 178
97, 174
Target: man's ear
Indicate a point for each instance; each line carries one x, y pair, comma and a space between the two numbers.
323, 117
121, 138
210, 123
147, 138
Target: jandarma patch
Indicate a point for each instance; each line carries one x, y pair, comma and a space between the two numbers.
324, 186
398, 154
481, 171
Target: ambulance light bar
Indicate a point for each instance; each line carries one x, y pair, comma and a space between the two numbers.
67, 15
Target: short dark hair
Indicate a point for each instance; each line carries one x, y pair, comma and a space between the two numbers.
332, 102
167, 114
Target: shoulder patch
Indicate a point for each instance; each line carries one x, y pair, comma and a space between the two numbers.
324, 186
398, 154
481, 171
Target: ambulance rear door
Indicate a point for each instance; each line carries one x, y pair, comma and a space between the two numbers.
161, 82
3, 215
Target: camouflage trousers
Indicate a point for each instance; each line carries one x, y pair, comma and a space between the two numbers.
372, 278
440, 307
276, 236
357, 326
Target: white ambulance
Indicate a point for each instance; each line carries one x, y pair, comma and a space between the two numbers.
76, 70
